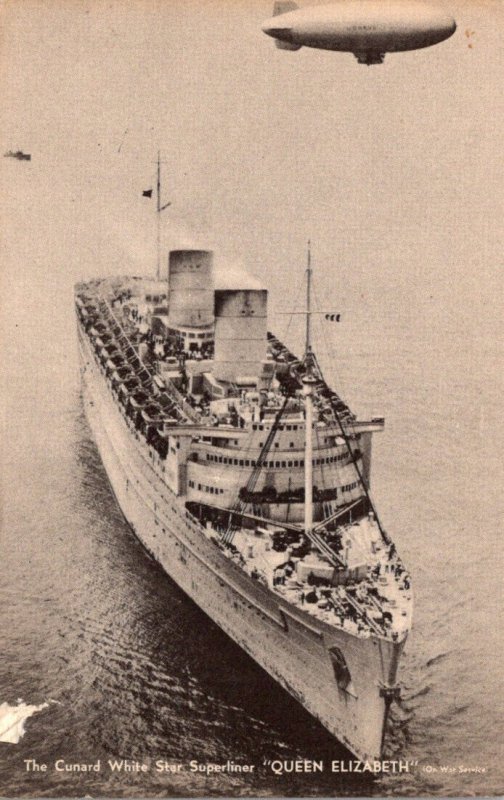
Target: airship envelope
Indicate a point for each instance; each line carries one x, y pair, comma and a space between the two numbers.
366, 28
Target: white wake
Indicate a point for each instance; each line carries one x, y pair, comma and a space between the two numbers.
13, 718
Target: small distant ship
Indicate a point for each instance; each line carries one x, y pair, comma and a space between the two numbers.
19, 155
248, 479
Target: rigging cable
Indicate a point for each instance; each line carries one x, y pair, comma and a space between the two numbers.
336, 415
240, 504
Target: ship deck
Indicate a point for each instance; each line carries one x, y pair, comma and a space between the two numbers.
345, 573
373, 597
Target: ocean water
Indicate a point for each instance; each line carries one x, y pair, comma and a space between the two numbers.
131, 668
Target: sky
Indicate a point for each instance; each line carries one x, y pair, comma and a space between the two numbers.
394, 172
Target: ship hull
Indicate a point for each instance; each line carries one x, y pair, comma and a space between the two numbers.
291, 645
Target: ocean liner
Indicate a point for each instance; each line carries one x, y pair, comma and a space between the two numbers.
248, 479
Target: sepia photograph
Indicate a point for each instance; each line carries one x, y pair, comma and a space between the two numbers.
252, 376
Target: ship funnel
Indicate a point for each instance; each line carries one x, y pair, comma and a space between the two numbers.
190, 289
240, 334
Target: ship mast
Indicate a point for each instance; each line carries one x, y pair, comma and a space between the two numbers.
159, 209
308, 304
308, 385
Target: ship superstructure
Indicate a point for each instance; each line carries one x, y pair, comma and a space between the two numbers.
247, 477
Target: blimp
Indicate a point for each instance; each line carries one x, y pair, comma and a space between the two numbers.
367, 28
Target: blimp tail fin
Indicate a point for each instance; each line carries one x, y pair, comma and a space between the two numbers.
283, 6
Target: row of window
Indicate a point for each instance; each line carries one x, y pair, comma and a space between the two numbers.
241, 462
259, 427
202, 488
350, 486
198, 335
292, 444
